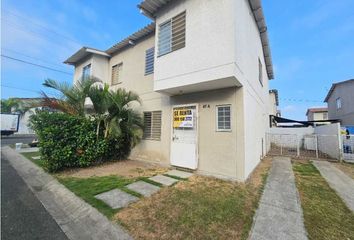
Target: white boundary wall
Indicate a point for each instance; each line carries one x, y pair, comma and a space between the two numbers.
286, 135
329, 141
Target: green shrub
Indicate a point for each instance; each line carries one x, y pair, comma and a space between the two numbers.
68, 141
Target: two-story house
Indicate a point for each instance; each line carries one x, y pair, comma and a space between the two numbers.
340, 102
317, 114
202, 70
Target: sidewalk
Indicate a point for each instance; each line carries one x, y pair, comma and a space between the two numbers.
76, 218
339, 181
279, 215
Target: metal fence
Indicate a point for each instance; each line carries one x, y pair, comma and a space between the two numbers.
309, 146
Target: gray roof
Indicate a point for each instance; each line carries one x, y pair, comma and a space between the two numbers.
82, 53
334, 86
147, 30
150, 7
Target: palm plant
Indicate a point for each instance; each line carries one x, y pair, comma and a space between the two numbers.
111, 109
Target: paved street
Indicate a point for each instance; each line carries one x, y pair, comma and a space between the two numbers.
7, 140
22, 215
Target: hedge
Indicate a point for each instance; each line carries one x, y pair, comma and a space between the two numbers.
68, 141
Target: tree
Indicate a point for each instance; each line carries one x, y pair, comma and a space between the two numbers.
8, 105
112, 110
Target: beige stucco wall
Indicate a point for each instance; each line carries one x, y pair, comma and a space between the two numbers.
99, 67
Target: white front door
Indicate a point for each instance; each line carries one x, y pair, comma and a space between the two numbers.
184, 151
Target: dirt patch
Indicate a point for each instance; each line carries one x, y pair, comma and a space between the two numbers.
347, 168
125, 168
199, 208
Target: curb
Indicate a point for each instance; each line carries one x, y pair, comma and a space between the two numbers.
76, 218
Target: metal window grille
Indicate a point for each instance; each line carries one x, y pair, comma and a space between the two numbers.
172, 34
152, 125
149, 61
224, 118
116, 73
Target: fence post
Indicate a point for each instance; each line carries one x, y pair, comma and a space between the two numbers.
298, 145
281, 147
316, 137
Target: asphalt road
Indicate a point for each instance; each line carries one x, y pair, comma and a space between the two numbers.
22, 215
7, 140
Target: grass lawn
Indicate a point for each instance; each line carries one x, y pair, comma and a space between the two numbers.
200, 208
87, 188
326, 216
29, 155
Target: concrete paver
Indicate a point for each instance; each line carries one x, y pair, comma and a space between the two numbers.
166, 181
180, 174
339, 181
144, 188
116, 198
279, 215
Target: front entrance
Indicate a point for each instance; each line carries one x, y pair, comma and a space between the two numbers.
184, 152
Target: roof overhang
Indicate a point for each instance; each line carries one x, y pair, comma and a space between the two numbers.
83, 53
333, 87
150, 7
131, 40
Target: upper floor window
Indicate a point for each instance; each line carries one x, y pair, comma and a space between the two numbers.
260, 72
223, 118
325, 116
116, 73
86, 71
172, 34
339, 103
149, 61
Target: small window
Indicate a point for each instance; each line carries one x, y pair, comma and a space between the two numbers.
149, 61
223, 118
172, 34
86, 71
116, 73
152, 125
260, 72
339, 103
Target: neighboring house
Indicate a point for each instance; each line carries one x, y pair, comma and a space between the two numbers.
202, 70
317, 114
274, 103
23, 127
340, 102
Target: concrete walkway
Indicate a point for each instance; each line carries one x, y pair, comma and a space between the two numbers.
279, 215
76, 218
339, 181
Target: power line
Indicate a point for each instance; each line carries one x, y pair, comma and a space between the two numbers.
43, 27
38, 59
299, 100
35, 64
23, 89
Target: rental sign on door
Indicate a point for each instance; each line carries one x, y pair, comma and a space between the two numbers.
182, 118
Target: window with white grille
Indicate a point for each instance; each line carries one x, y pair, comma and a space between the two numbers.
149, 61
223, 118
172, 34
339, 103
116, 73
86, 71
152, 125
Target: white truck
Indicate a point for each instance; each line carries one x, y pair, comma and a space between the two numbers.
9, 123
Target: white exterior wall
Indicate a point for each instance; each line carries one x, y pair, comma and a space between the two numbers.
209, 52
256, 97
272, 104
99, 67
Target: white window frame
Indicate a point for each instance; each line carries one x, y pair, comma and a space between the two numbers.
339, 103
88, 66
152, 126
217, 118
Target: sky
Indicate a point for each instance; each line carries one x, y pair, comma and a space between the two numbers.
312, 43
